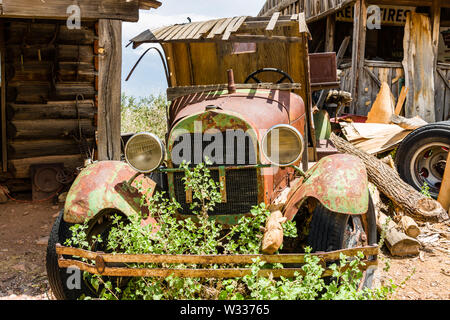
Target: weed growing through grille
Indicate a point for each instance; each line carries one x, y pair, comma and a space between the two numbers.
202, 235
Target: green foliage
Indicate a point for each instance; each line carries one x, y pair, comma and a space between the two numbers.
425, 190
202, 235
144, 114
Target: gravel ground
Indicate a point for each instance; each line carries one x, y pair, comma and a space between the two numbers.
24, 230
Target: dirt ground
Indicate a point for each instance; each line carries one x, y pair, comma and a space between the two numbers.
24, 230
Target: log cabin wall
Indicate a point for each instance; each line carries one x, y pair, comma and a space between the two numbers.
50, 93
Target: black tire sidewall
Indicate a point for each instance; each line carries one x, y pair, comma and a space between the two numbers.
438, 132
59, 277
327, 233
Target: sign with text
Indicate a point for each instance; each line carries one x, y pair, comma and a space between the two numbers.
388, 15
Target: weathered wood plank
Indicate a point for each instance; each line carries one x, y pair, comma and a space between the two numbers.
229, 28
273, 21
21, 167
419, 67
126, 10
109, 90
216, 27
63, 110
3, 99
48, 128
330, 33
26, 148
207, 26
444, 195
358, 51
212, 259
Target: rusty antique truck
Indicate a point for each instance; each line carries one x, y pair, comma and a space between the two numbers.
242, 85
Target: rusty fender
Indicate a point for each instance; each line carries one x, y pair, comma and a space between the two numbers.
339, 182
104, 186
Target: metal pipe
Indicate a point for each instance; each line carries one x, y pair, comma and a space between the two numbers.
231, 83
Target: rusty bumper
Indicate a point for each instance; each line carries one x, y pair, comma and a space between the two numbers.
99, 263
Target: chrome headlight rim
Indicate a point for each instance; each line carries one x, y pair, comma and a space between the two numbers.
160, 144
297, 133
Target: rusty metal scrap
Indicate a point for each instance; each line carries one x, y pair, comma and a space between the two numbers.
102, 260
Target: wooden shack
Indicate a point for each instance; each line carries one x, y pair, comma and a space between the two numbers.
379, 44
60, 83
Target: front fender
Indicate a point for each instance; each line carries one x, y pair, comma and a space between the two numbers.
339, 182
103, 185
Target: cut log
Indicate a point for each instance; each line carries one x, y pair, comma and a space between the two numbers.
21, 167
409, 226
49, 128
398, 243
62, 110
273, 235
27, 148
412, 202
71, 89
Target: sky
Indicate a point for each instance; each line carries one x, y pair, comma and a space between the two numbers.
148, 78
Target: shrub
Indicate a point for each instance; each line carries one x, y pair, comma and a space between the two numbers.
144, 114
202, 235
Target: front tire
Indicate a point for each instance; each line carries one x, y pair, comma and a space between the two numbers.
330, 231
62, 282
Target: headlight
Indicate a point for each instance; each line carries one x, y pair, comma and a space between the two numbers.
144, 152
283, 145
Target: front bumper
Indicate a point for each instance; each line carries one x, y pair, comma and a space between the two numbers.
106, 264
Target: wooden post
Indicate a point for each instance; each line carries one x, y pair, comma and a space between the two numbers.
330, 32
3, 100
435, 24
444, 194
305, 35
358, 50
109, 89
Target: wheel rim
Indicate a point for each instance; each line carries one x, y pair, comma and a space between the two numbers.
428, 165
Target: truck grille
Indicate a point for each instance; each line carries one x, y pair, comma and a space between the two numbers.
241, 189
232, 150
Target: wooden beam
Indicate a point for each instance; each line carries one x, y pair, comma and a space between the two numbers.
330, 33
413, 3
435, 26
444, 195
3, 100
358, 51
126, 10
279, 7
109, 94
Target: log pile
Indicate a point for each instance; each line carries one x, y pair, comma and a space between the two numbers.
411, 207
